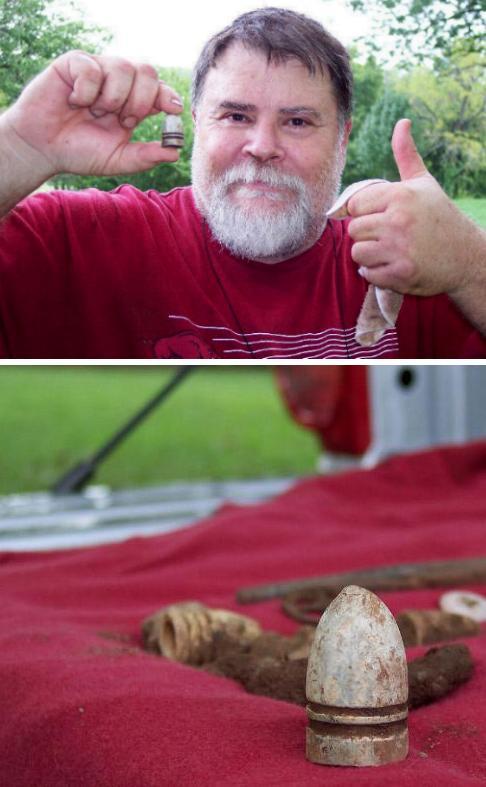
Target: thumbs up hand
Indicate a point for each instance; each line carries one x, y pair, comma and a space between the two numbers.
405, 153
408, 236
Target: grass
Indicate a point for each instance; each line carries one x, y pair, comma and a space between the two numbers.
219, 424
474, 207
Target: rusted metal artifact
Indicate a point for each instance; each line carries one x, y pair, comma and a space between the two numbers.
307, 606
437, 673
425, 626
189, 631
403, 576
357, 684
275, 665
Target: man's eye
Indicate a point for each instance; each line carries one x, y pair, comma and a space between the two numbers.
237, 117
298, 122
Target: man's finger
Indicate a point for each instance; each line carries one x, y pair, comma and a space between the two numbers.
140, 156
140, 102
382, 276
83, 74
167, 100
369, 253
339, 209
405, 153
119, 76
372, 199
368, 227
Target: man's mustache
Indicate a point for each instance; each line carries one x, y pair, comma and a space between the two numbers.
249, 173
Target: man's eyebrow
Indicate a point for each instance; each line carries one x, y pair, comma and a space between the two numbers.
235, 106
301, 111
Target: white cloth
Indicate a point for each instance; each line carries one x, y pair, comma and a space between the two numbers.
380, 307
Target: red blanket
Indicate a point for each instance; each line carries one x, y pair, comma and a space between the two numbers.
83, 704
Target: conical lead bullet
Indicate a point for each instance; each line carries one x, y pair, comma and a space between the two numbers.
357, 684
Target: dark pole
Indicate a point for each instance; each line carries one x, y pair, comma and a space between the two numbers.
79, 475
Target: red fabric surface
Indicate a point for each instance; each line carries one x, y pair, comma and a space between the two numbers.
131, 274
82, 704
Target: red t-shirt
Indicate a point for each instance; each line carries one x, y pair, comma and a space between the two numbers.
128, 274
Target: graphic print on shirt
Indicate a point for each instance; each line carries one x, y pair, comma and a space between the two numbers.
223, 342
183, 345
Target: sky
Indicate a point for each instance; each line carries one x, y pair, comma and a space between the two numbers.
167, 33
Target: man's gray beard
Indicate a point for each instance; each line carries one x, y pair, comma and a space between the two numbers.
261, 234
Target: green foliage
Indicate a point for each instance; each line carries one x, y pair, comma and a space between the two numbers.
368, 87
447, 105
161, 178
369, 79
450, 103
32, 34
374, 156
421, 28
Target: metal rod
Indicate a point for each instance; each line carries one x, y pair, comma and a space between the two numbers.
403, 576
79, 475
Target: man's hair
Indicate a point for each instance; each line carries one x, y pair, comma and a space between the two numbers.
281, 35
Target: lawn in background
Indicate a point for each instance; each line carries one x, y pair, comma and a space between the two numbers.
220, 423
473, 207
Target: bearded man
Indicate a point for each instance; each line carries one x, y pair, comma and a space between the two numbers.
244, 264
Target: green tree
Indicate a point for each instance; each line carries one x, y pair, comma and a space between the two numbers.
421, 28
450, 103
374, 156
368, 87
369, 79
34, 32
163, 177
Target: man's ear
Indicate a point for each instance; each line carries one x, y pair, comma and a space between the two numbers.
343, 142
346, 132
193, 113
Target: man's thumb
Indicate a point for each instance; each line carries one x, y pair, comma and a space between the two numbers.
406, 155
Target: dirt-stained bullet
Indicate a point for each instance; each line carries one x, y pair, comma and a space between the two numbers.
172, 132
357, 684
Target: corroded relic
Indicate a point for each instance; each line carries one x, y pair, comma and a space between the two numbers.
357, 684
172, 132
189, 631
425, 626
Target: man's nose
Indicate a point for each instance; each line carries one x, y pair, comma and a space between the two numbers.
263, 142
